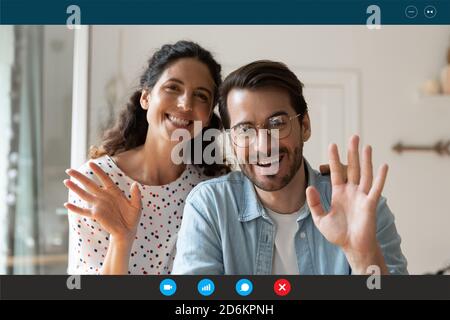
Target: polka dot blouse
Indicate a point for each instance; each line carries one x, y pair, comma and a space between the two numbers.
153, 250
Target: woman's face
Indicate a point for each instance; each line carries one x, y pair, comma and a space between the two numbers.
183, 94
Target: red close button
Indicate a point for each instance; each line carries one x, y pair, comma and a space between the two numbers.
282, 287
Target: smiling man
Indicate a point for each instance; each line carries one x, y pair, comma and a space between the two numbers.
291, 220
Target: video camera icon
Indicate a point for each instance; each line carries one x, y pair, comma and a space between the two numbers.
168, 287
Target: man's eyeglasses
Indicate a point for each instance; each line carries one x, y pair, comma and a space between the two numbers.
244, 134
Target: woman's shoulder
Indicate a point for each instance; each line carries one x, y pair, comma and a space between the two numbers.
104, 162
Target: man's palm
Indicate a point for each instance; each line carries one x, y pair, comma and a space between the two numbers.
351, 221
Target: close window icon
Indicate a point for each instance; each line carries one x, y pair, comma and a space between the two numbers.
206, 287
244, 287
168, 287
282, 287
411, 12
430, 12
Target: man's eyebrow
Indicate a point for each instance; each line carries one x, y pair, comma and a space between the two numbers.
181, 82
278, 113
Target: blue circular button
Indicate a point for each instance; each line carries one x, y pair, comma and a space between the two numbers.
168, 287
244, 287
206, 287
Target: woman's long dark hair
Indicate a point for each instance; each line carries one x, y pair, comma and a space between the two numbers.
130, 129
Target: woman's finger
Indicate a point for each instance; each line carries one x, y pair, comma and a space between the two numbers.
83, 194
102, 176
90, 185
324, 169
81, 211
135, 196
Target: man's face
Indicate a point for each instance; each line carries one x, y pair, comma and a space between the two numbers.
258, 106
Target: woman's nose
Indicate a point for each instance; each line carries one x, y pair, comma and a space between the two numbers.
184, 102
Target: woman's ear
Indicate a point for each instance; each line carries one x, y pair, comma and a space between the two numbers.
306, 127
145, 99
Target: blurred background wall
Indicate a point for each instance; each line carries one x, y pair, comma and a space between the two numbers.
391, 65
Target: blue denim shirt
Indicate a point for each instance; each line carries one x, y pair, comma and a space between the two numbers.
226, 230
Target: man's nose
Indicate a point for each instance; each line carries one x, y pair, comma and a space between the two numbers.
263, 142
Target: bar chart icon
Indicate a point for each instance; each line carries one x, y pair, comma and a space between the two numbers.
206, 287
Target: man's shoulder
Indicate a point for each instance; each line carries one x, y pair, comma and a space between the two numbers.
229, 184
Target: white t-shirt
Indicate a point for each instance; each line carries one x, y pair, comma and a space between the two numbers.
285, 257
153, 250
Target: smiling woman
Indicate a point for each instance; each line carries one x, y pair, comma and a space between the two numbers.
127, 203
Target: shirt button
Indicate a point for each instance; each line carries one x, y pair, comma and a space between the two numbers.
303, 235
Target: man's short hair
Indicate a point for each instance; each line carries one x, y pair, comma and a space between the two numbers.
260, 74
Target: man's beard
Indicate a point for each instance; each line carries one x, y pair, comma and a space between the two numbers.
284, 180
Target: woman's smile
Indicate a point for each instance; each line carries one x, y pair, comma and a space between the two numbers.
179, 121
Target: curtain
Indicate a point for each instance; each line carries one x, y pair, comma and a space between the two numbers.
25, 160
6, 62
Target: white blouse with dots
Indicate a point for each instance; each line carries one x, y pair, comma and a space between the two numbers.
153, 250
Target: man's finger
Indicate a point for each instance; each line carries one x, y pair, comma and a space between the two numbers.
367, 170
313, 199
378, 185
354, 169
335, 166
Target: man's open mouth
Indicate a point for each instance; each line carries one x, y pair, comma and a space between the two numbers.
270, 161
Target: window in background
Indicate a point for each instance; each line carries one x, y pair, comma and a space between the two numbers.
6, 63
37, 109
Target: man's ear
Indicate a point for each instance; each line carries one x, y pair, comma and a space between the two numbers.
145, 99
306, 127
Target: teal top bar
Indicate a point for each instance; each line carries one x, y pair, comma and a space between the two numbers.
280, 12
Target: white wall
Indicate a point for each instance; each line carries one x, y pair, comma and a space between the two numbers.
392, 63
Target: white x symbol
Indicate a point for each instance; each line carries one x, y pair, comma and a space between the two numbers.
282, 287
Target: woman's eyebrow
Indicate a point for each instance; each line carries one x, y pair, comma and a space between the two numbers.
175, 80
181, 82
205, 89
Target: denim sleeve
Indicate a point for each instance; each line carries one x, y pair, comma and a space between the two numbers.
390, 240
198, 245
